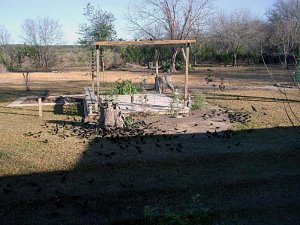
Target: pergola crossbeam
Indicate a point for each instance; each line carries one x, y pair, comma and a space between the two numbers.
144, 42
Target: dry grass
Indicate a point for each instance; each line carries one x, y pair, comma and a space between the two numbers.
251, 178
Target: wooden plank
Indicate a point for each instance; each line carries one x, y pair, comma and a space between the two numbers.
144, 42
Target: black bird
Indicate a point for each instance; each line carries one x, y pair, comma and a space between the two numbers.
7, 190
90, 181
33, 184
178, 150
58, 203
123, 185
253, 108
45, 141
54, 214
64, 178
38, 190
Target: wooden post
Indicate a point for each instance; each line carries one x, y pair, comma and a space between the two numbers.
93, 69
186, 56
156, 86
186, 83
40, 107
98, 71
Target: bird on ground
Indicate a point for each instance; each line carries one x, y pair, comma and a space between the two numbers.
64, 178
90, 181
253, 108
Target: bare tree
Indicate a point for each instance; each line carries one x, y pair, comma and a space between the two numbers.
169, 19
42, 33
284, 17
236, 31
4, 36
4, 41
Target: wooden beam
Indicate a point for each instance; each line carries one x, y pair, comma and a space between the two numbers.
186, 82
144, 42
93, 68
156, 69
98, 72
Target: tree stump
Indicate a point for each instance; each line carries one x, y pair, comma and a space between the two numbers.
110, 116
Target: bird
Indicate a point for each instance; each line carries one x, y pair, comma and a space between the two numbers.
39, 190
180, 145
90, 181
33, 184
123, 185
253, 108
58, 203
7, 190
64, 178
45, 141
54, 214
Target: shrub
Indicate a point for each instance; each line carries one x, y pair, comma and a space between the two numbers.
165, 65
128, 120
125, 87
196, 213
198, 101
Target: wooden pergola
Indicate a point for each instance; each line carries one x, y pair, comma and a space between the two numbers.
185, 46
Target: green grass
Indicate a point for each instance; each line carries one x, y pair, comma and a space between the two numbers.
198, 101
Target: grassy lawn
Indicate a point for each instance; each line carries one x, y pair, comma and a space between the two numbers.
53, 171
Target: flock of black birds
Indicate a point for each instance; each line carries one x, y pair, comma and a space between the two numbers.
107, 142
240, 117
93, 135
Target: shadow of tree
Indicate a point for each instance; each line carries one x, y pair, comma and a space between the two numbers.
248, 176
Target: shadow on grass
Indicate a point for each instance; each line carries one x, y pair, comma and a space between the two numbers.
72, 110
250, 177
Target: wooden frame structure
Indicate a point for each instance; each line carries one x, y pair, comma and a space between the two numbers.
185, 47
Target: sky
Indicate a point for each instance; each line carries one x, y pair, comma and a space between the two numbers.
69, 13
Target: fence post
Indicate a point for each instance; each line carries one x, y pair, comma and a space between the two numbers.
40, 107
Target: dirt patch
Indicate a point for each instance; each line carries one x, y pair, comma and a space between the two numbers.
210, 118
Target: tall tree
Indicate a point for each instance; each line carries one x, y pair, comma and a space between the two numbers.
236, 32
99, 26
4, 36
284, 17
4, 41
169, 19
42, 33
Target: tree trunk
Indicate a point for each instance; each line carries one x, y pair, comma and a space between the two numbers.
110, 117
285, 62
234, 59
26, 79
173, 61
